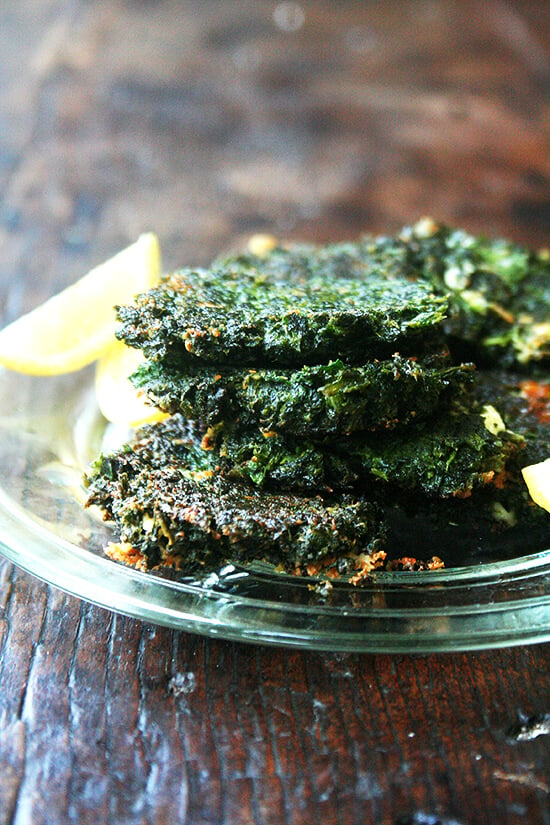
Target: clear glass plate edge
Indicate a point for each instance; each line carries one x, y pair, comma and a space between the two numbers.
196, 610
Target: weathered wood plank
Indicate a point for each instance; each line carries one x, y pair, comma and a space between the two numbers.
123, 720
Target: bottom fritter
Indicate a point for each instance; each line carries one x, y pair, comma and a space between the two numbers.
168, 513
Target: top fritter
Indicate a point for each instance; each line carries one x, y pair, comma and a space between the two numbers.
306, 304
239, 314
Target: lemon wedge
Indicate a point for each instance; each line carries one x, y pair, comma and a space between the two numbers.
537, 479
75, 327
117, 398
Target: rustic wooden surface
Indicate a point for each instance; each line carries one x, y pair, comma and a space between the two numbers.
207, 122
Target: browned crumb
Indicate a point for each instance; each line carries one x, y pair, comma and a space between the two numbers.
409, 563
366, 564
127, 554
537, 394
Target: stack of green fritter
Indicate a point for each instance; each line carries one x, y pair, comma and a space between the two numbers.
311, 389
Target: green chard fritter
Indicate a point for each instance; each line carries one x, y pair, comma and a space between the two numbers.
316, 400
169, 512
244, 316
448, 456
320, 408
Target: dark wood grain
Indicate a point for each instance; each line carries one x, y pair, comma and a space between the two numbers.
119, 721
207, 122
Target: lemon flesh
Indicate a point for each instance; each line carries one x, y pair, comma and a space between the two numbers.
117, 398
75, 327
537, 479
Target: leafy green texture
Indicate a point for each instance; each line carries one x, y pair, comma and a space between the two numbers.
228, 315
171, 489
498, 291
170, 512
451, 455
309, 304
311, 401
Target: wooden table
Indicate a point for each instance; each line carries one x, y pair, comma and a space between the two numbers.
207, 122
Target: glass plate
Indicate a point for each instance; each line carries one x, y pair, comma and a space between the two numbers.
50, 429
